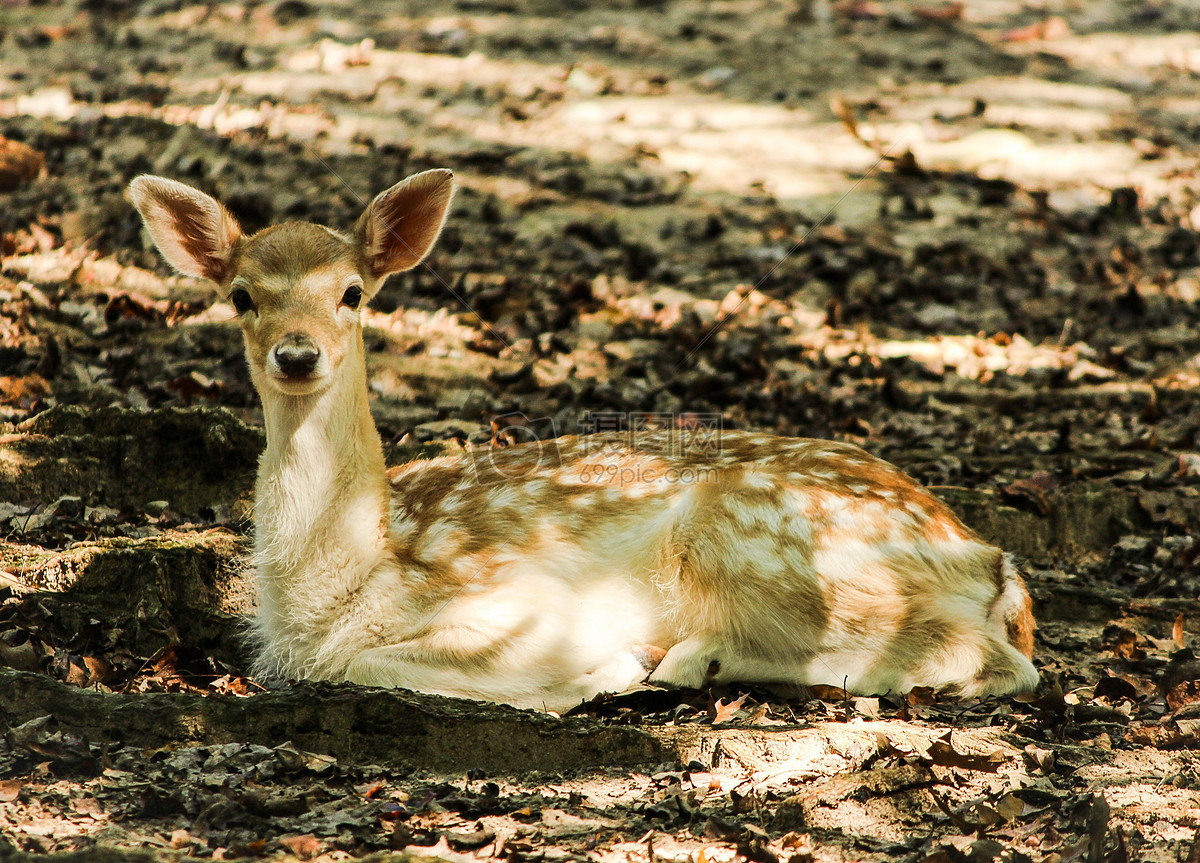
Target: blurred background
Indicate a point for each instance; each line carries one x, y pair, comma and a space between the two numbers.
803, 216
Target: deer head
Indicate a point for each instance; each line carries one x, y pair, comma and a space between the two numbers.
297, 287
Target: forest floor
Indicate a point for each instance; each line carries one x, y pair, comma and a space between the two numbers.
961, 236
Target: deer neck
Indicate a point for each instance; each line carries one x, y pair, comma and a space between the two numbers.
321, 500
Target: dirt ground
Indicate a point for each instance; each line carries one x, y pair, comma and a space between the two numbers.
963, 236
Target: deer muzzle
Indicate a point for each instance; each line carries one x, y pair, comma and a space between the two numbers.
296, 356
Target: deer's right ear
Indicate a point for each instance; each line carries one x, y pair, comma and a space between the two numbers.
401, 225
191, 229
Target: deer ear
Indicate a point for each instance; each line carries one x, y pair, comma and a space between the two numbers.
401, 225
192, 230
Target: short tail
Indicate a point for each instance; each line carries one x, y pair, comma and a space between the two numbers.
1013, 609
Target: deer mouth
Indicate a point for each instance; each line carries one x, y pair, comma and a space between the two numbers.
297, 386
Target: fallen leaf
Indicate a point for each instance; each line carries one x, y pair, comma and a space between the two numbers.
1189, 466
945, 12
1125, 645
23, 390
194, 384
868, 707
10, 789
22, 657
1160, 737
830, 694
1115, 688
1039, 759
1048, 30
1183, 694
943, 754
253, 848
1035, 489
1010, 807
922, 695
98, 669
1183, 667
727, 711
844, 112
44, 239
77, 674
305, 847
132, 305
858, 10
19, 164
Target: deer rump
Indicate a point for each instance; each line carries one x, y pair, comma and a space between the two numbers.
549, 573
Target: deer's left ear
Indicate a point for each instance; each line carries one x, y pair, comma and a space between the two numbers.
401, 225
191, 229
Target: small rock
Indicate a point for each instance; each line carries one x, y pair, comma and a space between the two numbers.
99, 514
10, 510
70, 506
1073, 200
453, 40
631, 349
55, 102
716, 77
581, 81
937, 315
1132, 544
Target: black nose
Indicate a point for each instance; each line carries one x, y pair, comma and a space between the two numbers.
297, 355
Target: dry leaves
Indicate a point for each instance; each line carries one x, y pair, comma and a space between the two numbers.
19, 164
942, 753
1048, 29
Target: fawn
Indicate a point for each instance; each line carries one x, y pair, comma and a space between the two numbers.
509, 576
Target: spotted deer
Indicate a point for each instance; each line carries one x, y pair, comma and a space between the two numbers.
539, 576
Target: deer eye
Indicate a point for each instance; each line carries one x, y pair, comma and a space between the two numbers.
241, 301
352, 297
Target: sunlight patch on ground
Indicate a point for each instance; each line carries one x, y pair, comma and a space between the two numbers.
724, 145
1119, 51
978, 358
996, 153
